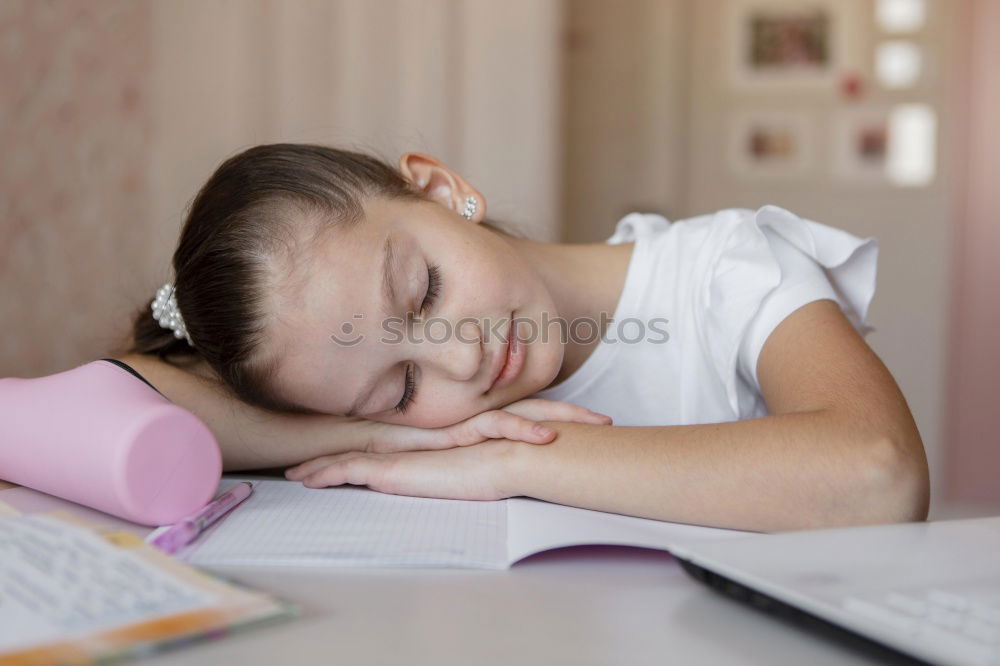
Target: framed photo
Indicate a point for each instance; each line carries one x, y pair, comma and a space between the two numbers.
787, 42
771, 144
860, 144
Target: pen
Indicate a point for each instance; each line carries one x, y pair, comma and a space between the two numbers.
181, 534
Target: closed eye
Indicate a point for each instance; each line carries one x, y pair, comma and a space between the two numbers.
409, 388
433, 288
430, 298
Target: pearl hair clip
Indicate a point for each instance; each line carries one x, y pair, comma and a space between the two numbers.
166, 313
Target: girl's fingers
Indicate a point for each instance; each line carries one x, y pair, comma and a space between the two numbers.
494, 424
355, 471
470, 473
301, 471
391, 438
538, 409
500, 424
517, 421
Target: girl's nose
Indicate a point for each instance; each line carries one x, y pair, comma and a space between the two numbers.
454, 350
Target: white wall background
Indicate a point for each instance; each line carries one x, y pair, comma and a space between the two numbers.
117, 111
672, 56
913, 225
456, 79
626, 112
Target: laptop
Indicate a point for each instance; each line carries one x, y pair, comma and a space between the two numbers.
930, 591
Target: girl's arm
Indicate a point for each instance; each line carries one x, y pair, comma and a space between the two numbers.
839, 448
254, 438
249, 437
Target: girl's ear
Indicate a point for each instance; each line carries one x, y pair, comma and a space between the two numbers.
441, 184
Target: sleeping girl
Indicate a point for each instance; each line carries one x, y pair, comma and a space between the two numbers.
365, 324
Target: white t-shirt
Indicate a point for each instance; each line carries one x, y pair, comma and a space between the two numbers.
722, 283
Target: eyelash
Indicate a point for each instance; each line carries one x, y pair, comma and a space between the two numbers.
409, 388
433, 287
433, 290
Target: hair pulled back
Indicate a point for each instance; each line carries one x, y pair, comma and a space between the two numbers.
247, 213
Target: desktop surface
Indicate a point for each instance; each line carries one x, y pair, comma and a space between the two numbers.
581, 605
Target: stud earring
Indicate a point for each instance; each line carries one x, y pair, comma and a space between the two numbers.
470, 207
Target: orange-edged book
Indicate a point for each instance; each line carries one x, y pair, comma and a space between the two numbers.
72, 592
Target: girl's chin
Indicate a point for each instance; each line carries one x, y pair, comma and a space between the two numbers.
551, 363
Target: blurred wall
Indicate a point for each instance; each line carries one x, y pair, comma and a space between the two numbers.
115, 112
650, 130
627, 86
389, 76
75, 126
913, 225
973, 424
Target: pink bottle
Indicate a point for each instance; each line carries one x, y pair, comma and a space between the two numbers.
102, 436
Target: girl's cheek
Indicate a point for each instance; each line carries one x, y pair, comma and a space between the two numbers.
424, 417
444, 413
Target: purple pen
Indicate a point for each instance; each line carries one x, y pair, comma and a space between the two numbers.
184, 532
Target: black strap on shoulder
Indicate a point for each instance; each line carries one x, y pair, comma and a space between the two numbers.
129, 368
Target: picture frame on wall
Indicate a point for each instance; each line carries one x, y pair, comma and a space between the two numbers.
772, 144
860, 140
788, 43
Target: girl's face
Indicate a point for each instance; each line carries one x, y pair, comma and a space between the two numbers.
407, 317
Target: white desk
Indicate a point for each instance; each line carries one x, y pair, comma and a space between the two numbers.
587, 605
575, 606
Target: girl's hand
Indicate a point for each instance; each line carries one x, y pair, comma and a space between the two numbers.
517, 421
479, 472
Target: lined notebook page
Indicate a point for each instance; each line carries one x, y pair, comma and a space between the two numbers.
284, 523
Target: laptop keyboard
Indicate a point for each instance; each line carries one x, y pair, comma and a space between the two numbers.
966, 626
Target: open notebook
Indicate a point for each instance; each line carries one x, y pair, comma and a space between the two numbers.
285, 524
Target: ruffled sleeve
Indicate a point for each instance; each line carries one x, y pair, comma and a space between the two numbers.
637, 225
764, 265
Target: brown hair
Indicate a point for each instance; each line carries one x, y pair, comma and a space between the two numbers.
240, 220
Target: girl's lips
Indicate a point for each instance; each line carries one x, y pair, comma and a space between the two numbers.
513, 361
